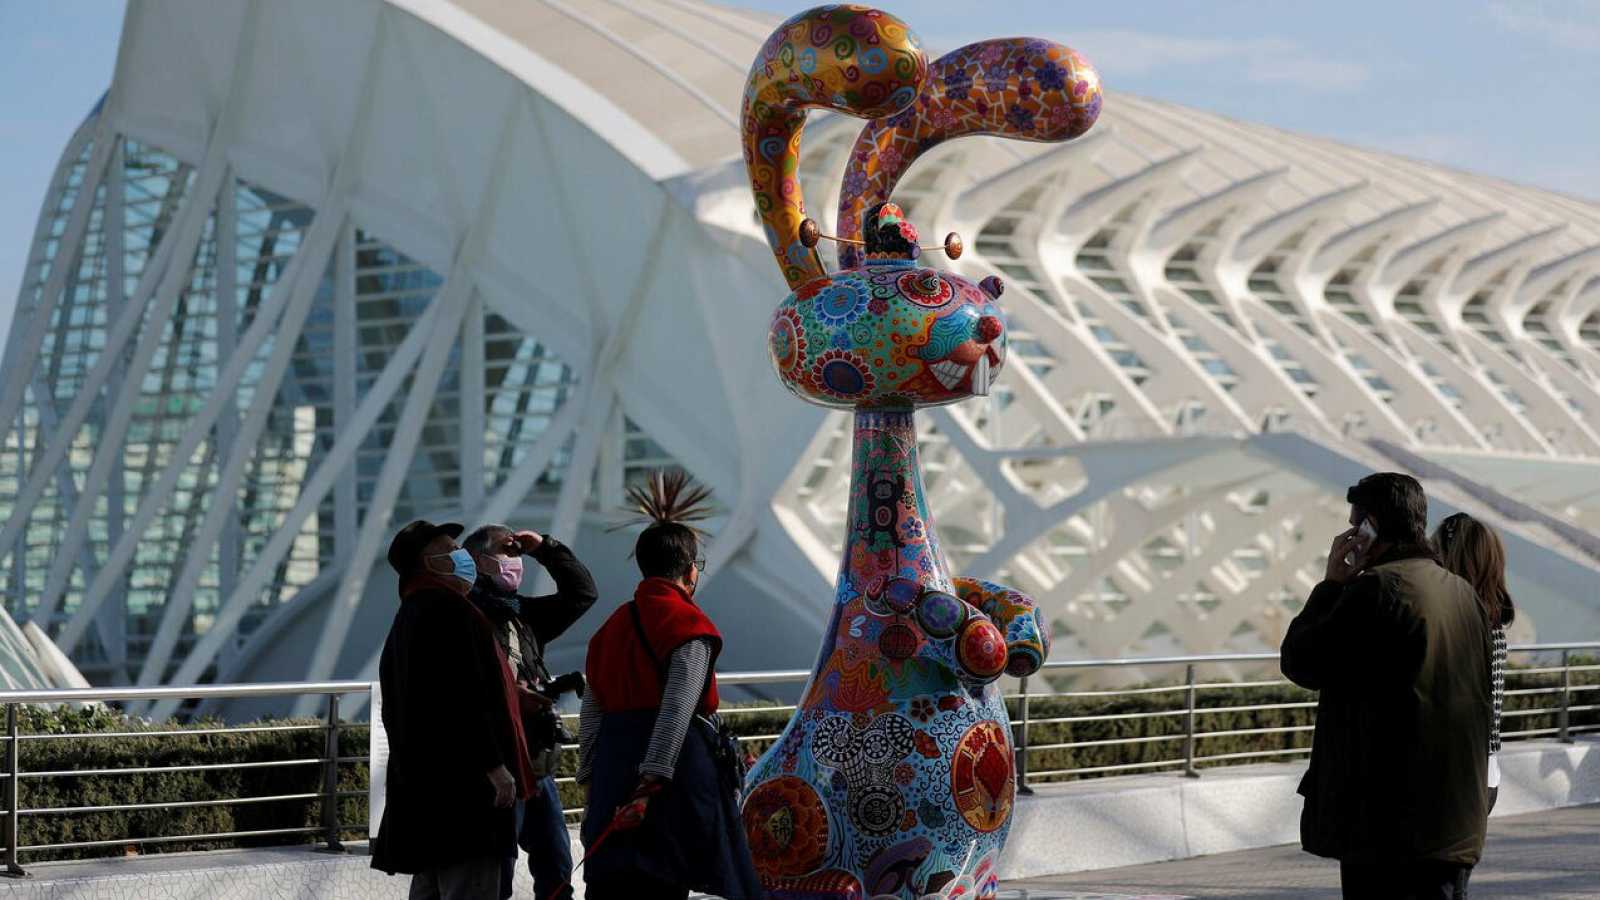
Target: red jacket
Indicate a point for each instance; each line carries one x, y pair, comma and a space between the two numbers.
624, 674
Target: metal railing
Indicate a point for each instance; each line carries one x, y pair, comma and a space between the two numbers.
1191, 711
329, 826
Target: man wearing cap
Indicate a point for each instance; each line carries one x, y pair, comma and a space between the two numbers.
458, 760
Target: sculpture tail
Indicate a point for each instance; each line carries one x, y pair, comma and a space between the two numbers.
1021, 88
850, 59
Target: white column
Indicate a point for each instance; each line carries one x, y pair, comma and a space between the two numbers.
112, 622
345, 370
227, 427
472, 411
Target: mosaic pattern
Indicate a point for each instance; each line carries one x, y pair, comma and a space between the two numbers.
890, 335
898, 761
894, 778
1021, 88
850, 59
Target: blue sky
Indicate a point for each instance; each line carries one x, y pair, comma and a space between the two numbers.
1502, 87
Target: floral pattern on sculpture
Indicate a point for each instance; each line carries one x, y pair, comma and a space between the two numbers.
894, 776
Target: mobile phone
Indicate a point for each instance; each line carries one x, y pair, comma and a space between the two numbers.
1367, 533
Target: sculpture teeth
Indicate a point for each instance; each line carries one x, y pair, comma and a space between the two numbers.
980, 377
949, 373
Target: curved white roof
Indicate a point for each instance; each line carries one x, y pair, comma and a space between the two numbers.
1214, 326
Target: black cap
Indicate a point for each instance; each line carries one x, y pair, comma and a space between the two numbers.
408, 544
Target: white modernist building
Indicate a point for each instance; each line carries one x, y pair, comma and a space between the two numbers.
312, 269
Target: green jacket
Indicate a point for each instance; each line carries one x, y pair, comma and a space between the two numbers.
1400, 658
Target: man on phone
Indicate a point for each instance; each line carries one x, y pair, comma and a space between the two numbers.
1398, 649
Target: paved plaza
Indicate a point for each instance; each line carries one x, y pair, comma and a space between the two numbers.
1551, 855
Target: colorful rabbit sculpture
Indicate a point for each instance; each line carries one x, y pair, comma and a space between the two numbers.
894, 778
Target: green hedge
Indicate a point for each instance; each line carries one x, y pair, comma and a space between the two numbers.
128, 827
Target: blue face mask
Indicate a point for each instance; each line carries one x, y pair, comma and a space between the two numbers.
464, 568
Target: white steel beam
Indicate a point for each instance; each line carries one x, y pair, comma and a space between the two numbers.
23, 352
112, 623
227, 427
576, 481
472, 410
293, 294
315, 489
26, 341
536, 459
309, 265
396, 465
345, 369
454, 297
179, 249
301, 288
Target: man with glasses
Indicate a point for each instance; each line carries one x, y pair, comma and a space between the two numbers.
458, 760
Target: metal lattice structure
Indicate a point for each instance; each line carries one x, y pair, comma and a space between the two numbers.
295, 240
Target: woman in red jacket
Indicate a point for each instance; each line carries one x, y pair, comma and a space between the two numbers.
651, 749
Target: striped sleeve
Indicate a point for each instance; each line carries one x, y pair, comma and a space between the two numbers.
588, 730
1497, 678
686, 680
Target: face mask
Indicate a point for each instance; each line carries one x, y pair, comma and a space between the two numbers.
463, 566
505, 573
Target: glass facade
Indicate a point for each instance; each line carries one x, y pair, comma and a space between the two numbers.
246, 245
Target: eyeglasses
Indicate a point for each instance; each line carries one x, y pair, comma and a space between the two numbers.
700, 564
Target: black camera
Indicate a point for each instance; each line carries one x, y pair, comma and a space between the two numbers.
572, 682
544, 729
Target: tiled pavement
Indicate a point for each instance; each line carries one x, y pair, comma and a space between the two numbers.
1551, 855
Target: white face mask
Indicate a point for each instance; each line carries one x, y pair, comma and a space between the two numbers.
505, 572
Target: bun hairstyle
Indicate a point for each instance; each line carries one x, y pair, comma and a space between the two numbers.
1473, 551
669, 505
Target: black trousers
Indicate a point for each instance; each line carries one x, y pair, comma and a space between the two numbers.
633, 886
1417, 880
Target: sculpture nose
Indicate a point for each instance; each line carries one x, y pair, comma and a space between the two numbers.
989, 328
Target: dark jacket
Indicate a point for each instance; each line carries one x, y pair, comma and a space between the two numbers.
448, 722
539, 620
1400, 658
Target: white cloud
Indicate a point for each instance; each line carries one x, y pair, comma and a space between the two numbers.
1574, 25
1264, 60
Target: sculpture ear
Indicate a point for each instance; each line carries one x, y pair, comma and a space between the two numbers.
1053, 95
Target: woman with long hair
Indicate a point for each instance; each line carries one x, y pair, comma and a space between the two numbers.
1472, 550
